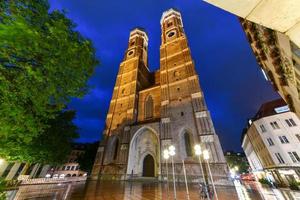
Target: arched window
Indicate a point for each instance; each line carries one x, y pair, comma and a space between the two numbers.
188, 145
116, 149
149, 107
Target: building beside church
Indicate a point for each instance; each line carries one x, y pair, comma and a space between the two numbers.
271, 143
149, 111
279, 59
273, 31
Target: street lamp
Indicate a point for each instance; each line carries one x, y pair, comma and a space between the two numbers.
185, 179
166, 157
236, 168
198, 152
172, 153
206, 157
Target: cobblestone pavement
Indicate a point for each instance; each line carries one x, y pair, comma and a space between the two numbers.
145, 191
94, 190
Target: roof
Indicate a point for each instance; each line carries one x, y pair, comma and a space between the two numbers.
173, 11
267, 109
270, 108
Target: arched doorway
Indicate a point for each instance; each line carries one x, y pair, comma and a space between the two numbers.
144, 143
148, 166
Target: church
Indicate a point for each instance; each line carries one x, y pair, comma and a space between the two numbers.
149, 111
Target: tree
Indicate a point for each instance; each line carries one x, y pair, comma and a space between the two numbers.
237, 160
55, 143
44, 62
86, 160
2, 188
52, 145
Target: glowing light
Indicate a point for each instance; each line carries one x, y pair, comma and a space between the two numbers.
166, 154
265, 75
48, 175
205, 155
198, 150
171, 150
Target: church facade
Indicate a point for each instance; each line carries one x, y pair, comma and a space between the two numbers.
149, 111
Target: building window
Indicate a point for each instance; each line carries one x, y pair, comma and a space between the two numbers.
298, 137
178, 89
262, 128
270, 141
292, 157
116, 149
182, 113
296, 156
283, 139
279, 158
149, 107
275, 125
187, 143
290, 122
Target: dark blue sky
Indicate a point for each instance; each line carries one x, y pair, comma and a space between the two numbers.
233, 84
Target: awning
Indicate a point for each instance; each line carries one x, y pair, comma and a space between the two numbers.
279, 15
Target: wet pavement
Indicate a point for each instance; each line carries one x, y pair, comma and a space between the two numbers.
109, 190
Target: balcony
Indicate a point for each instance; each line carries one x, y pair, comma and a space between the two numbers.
270, 37
258, 45
262, 55
250, 40
283, 81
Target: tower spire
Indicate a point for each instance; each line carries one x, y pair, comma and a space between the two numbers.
138, 45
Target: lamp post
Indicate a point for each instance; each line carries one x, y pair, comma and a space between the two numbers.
166, 157
186, 184
198, 152
172, 153
206, 157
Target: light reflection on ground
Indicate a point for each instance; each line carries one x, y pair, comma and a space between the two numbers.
105, 190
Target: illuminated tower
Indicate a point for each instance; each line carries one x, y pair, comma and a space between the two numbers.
150, 111
185, 117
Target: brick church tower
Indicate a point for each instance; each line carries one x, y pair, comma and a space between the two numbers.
151, 110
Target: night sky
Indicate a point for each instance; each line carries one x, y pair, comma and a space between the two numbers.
233, 84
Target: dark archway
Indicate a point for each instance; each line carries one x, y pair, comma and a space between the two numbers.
148, 166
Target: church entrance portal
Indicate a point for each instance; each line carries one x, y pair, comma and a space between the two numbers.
143, 154
148, 166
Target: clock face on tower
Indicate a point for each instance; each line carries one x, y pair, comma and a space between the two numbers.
171, 34
130, 53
